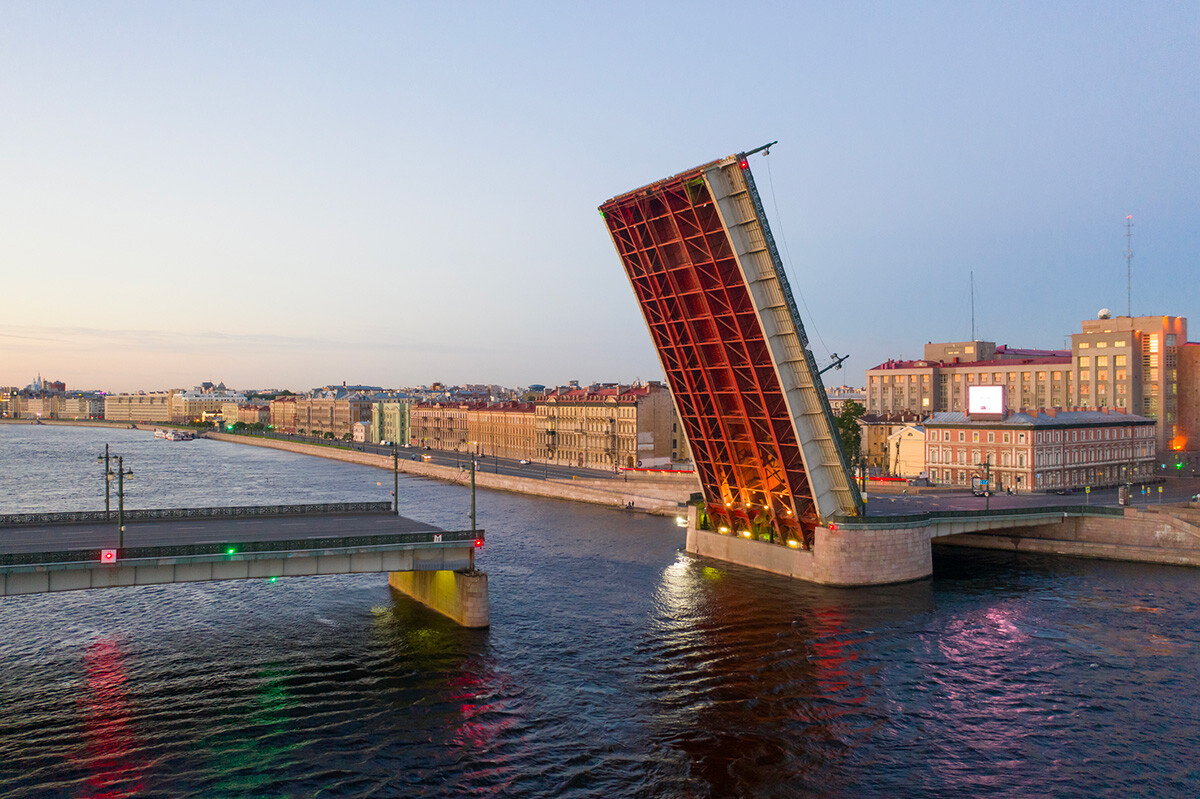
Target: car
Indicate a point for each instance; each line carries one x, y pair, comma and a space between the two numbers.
385, 443
426, 457
1064, 491
524, 461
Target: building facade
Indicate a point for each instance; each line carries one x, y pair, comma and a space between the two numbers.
153, 407
1041, 450
390, 422
607, 427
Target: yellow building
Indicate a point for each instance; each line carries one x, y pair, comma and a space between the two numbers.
152, 407
608, 427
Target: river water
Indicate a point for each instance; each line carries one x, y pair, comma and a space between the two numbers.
616, 665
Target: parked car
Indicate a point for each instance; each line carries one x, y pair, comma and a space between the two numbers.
524, 461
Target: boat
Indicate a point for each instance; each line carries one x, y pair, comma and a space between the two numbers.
174, 435
160, 433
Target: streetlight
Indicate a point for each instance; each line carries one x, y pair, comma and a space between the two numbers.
105, 459
120, 474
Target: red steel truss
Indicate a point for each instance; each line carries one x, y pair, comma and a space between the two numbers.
683, 270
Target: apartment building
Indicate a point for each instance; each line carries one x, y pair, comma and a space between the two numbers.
151, 407
390, 422
608, 427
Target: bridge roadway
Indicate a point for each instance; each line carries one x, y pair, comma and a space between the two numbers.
58, 552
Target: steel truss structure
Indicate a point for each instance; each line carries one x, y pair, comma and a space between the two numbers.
703, 265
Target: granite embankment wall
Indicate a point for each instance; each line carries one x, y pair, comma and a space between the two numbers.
657, 495
1163, 534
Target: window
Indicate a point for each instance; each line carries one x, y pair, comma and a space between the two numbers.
991, 438
1101, 360
1006, 438
1083, 345
1057, 376
1021, 440
962, 436
1085, 374
1101, 345
1120, 343
1085, 360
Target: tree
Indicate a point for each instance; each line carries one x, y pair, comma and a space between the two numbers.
849, 429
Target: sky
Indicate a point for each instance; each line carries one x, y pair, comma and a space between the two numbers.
291, 194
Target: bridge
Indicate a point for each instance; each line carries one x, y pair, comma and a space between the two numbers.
778, 492
46, 552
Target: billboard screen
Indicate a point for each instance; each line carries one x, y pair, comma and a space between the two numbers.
985, 400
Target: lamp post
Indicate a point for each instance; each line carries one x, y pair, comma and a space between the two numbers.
120, 474
396, 477
104, 459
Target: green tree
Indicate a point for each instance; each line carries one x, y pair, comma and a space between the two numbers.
850, 430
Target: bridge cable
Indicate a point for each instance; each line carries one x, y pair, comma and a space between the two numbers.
783, 237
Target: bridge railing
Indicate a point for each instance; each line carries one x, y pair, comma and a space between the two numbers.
236, 512
232, 549
934, 516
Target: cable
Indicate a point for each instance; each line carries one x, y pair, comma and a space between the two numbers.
791, 272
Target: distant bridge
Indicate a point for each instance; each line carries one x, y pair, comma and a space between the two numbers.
47, 552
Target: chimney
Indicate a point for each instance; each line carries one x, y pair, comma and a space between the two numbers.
1052, 413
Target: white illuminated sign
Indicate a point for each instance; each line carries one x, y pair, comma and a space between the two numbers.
985, 400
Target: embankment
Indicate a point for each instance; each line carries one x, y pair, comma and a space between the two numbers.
661, 496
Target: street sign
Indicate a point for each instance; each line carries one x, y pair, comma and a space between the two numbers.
1087, 489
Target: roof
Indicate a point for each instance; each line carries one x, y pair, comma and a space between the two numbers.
1050, 359
1042, 418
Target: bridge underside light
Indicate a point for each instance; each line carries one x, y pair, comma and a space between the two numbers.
478, 543
108, 556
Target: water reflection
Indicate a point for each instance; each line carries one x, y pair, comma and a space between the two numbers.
763, 682
110, 754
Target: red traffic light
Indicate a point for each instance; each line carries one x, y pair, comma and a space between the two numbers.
478, 543
108, 556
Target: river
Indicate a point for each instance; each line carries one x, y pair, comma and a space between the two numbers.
616, 665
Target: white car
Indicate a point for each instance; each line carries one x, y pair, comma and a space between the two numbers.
524, 461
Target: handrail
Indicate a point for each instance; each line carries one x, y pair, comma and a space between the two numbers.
913, 519
92, 555
99, 516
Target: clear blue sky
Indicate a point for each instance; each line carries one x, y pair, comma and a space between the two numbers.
291, 194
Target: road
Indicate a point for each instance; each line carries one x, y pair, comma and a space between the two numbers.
485, 463
1175, 490
181, 532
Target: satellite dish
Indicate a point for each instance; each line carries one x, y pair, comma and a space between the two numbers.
1104, 314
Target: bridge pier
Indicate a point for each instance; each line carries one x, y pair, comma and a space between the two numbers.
839, 557
459, 595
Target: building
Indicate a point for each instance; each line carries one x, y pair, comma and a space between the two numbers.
191, 406
1132, 363
152, 407
877, 429
1187, 436
906, 450
502, 429
254, 413
81, 406
1041, 449
283, 414
439, 425
607, 427
390, 422
929, 386
316, 416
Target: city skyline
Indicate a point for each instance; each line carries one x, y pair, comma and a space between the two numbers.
300, 195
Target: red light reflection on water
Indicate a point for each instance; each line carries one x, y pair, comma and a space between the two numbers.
109, 738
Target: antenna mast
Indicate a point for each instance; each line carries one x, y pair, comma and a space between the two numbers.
1129, 266
972, 305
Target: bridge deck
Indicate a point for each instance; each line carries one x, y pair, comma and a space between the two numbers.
191, 531
37, 557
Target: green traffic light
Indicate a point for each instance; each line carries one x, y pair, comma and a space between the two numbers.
231, 551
